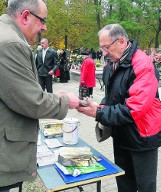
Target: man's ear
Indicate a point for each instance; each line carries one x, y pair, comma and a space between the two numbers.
25, 16
123, 43
121, 40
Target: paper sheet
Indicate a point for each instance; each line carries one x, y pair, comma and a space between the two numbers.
45, 156
53, 143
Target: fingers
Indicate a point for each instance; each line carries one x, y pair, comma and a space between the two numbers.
89, 102
89, 110
74, 101
80, 109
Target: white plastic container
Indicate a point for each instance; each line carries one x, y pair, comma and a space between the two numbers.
70, 131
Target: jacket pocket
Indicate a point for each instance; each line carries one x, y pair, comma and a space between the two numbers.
17, 150
21, 134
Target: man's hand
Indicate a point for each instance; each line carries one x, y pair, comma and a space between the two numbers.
51, 72
89, 110
74, 101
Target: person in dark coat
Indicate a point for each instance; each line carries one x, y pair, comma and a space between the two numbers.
93, 54
99, 54
64, 71
47, 63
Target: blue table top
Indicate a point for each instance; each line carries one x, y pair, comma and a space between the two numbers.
53, 180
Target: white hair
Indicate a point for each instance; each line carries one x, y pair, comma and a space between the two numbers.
115, 31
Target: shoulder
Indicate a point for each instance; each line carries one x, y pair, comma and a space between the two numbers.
53, 51
141, 61
142, 66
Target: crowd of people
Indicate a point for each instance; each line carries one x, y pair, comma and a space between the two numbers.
56, 64
131, 106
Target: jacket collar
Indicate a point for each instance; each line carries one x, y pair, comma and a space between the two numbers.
127, 61
9, 20
133, 49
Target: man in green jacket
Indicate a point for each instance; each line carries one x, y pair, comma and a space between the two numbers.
22, 100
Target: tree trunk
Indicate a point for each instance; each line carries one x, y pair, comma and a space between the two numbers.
66, 41
97, 14
6, 2
157, 33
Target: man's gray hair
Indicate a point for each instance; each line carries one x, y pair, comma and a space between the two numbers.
44, 39
18, 6
115, 31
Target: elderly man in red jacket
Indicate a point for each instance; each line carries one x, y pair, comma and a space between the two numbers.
131, 108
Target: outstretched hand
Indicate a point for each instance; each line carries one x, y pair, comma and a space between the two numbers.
89, 110
74, 101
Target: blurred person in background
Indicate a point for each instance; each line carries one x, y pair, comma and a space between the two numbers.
93, 54
47, 63
99, 55
64, 71
88, 72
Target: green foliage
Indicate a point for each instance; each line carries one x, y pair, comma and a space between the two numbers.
141, 20
2, 6
75, 23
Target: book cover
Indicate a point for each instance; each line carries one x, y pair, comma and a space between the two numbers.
110, 169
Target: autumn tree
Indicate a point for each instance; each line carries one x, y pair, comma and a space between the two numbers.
75, 23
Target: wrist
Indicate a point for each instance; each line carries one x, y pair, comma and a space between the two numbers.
99, 113
100, 106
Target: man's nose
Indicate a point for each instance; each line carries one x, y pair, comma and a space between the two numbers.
105, 53
44, 28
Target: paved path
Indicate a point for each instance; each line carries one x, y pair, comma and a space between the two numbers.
87, 133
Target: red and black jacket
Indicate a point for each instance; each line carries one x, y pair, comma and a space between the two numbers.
132, 109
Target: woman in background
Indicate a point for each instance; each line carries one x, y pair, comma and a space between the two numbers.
87, 72
64, 71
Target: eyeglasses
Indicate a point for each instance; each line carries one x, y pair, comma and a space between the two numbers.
43, 20
106, 47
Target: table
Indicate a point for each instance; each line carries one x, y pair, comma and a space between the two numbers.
54, 182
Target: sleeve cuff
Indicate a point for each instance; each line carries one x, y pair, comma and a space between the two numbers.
64, 106
99, 114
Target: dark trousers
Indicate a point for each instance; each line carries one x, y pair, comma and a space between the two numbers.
64, 75
46, 83
140, 170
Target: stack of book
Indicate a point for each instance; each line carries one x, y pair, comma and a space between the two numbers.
51, 127
77, 160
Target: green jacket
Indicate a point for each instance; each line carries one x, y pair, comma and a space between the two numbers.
22, 103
